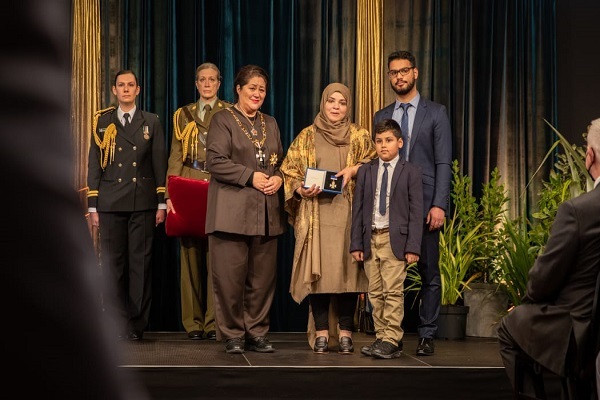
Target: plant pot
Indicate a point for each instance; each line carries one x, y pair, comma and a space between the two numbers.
488, 303
452, 322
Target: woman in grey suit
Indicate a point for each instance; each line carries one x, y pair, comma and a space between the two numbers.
244, 215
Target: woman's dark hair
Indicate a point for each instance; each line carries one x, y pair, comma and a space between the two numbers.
123, 72
244, 75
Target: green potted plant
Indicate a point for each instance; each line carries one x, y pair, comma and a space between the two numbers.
523, 241
460, 239
481, 245
485, 296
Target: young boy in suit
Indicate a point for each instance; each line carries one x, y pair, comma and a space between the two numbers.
387, 225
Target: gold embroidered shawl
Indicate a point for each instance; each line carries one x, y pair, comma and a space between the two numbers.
303, 214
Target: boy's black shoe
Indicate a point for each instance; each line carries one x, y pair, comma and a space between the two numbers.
368, 350
386, 350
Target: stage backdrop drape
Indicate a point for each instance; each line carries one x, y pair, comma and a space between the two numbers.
85, 83
86, 74
304, 45
491, 63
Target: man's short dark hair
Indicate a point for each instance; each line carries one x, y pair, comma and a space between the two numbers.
402, 55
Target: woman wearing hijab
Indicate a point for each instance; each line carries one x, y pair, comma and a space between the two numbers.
323, 269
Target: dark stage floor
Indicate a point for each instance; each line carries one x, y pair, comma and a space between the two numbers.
174, 367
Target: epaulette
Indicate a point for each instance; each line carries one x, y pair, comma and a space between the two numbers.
107, 144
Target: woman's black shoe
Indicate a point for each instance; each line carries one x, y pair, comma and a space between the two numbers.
321, 346
346, 346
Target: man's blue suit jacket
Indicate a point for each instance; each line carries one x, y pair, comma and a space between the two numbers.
431, 149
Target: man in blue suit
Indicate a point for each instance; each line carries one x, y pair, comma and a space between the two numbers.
428, 144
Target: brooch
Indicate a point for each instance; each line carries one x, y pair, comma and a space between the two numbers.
273, 159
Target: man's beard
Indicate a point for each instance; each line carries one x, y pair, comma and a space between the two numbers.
402, 91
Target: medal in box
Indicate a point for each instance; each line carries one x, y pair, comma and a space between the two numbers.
326, 180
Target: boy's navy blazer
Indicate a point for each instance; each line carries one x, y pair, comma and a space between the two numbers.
405, 208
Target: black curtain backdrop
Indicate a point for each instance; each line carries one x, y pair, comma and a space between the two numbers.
492, 63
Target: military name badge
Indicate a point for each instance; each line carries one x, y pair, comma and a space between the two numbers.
273, 159
146, 132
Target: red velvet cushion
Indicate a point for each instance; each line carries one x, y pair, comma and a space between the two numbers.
189, 200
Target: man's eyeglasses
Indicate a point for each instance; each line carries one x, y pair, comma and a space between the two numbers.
403, 72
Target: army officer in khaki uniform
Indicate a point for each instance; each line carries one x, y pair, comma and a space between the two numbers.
126, 180
188, 159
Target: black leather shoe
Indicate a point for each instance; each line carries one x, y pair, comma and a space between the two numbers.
321, 346
346, 346
234, 346
211, 335
195, 335
368, 350
386, 350
260, 344
425, 347
135, 335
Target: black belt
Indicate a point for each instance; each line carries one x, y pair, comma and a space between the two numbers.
199, 165
377, 231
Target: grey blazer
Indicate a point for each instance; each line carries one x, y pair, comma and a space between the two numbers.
234, 206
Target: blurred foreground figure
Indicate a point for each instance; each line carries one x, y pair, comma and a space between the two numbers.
54, 336
552, 325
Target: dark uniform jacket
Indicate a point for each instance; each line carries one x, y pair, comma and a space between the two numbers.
133, 177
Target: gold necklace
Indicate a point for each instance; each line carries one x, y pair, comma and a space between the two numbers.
257, 143
260, 150
253, 130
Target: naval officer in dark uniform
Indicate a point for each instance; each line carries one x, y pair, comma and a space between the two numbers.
126, 180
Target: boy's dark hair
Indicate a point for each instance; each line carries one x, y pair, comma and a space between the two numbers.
387, 125
402, 55
123, 72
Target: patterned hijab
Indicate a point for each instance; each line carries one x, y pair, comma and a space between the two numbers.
336, 133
